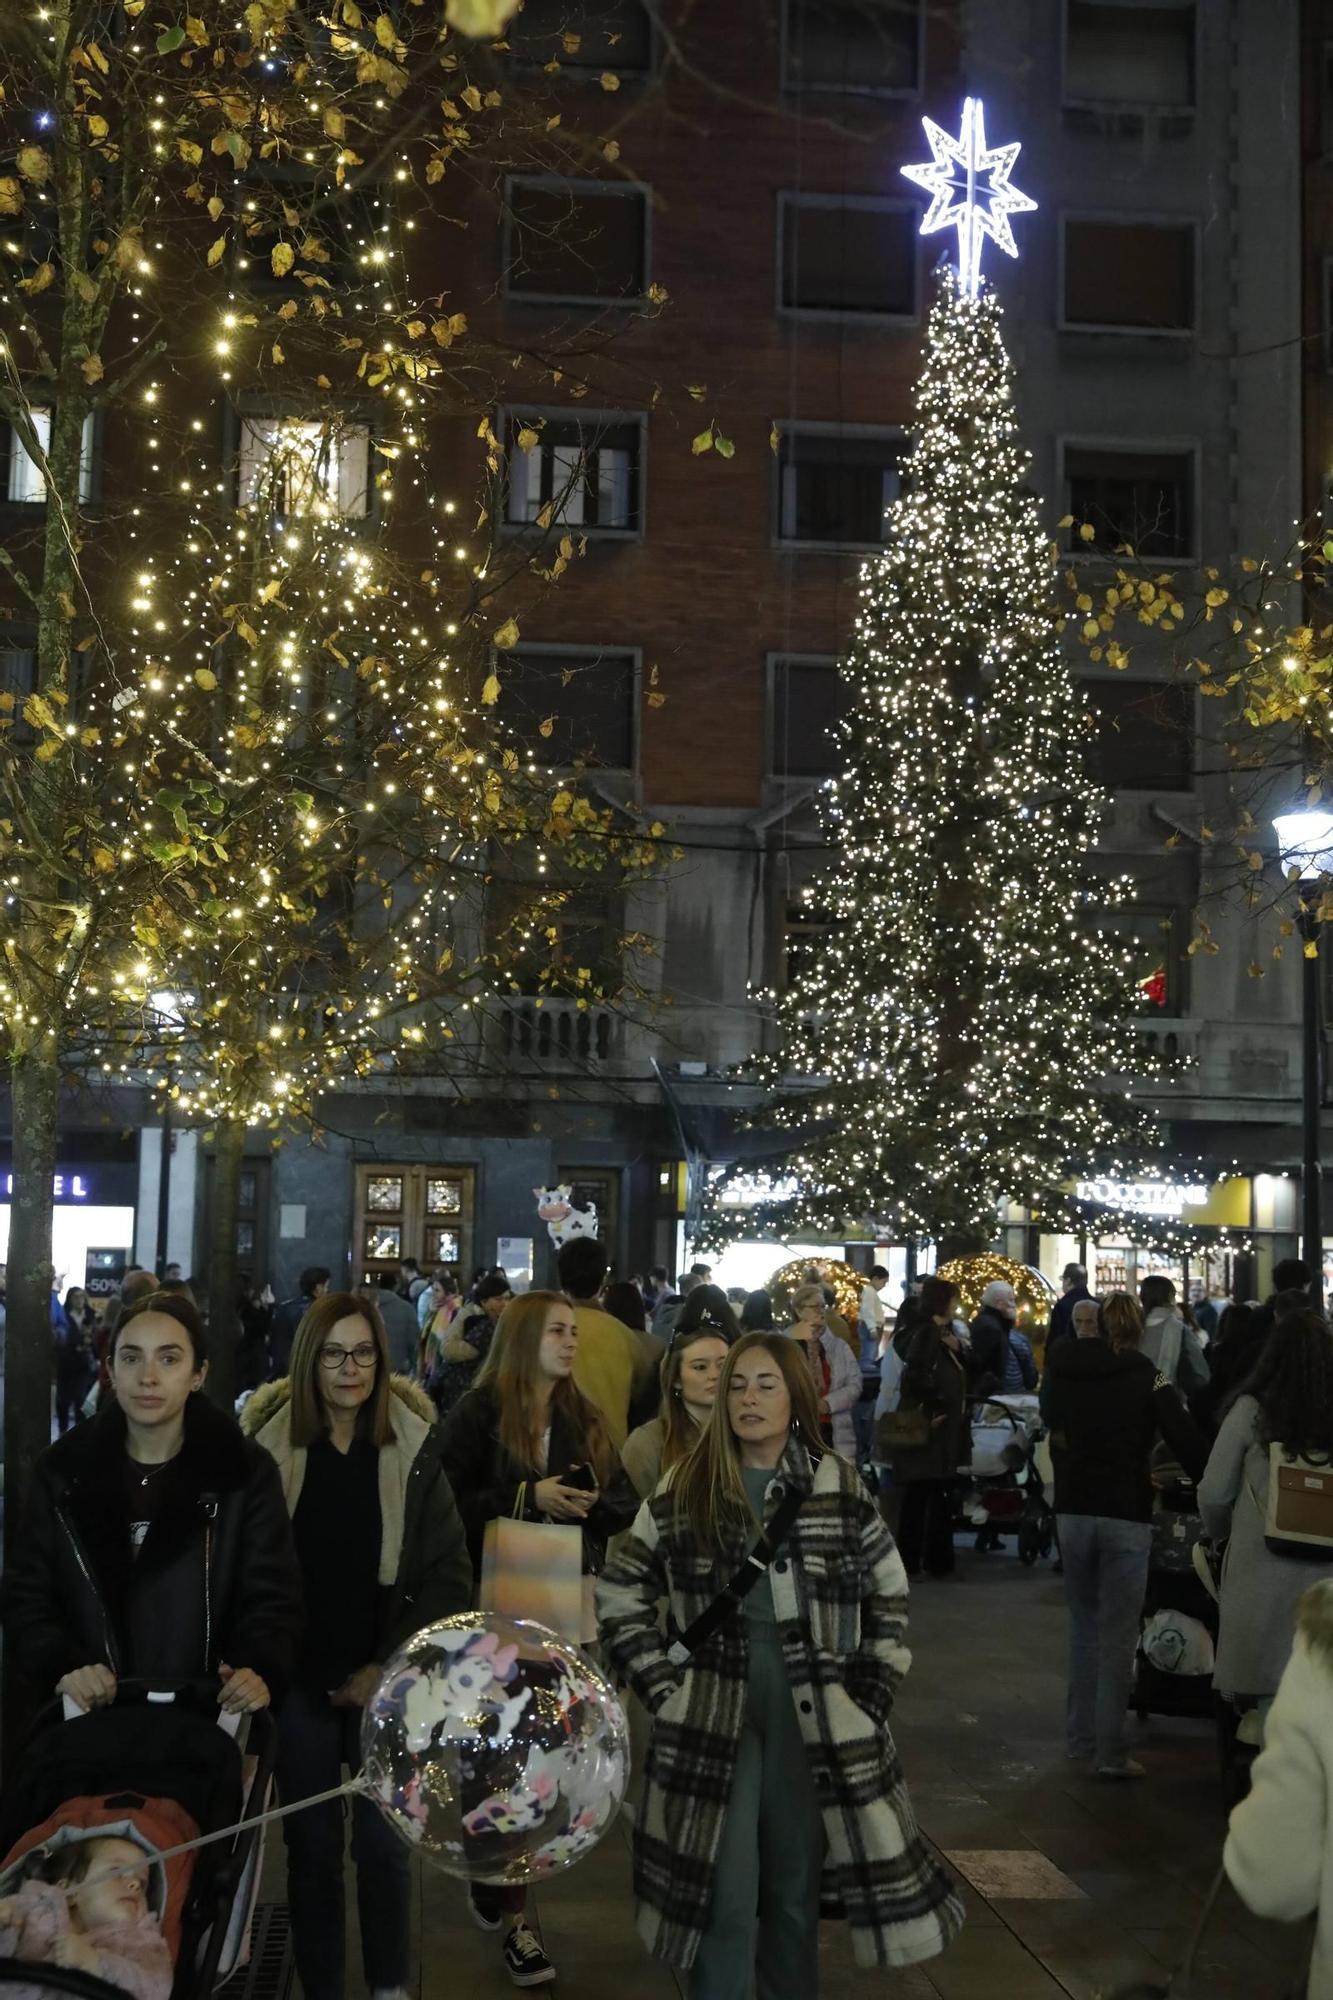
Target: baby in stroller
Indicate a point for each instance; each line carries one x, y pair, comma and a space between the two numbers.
92, 1901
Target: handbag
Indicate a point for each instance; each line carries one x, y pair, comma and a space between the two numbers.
534, 1570
902, 1430
1298, 1521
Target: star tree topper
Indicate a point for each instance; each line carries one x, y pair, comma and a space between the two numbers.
959, 201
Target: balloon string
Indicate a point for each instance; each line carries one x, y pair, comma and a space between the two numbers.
353, 1785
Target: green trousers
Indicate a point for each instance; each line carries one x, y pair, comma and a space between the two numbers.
762, 1941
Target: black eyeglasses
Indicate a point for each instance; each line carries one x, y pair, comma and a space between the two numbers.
332, 1358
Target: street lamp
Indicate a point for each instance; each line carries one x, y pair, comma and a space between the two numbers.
1305, 843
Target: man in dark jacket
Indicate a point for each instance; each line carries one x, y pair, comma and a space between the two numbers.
288, 1315
1105, 1403
1074, 1278
155, 1543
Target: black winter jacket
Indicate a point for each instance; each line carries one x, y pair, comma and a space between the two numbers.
1105, 1410
486, 1479
215, 1580
432, 1576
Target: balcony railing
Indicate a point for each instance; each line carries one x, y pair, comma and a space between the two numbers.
559, 1034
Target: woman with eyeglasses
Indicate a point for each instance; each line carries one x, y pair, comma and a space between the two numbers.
382, 1552
833, 1367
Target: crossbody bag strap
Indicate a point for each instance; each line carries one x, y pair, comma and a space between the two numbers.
729, 1600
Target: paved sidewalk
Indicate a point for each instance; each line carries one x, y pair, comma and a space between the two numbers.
1074, 1887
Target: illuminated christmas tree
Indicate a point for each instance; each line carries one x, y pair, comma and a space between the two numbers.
965, 1036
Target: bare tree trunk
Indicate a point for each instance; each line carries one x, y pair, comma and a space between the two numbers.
34, 1088
223, 1330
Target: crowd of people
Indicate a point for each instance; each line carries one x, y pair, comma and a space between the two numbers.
753, 1488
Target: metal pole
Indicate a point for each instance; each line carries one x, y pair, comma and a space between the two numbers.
1312, 1092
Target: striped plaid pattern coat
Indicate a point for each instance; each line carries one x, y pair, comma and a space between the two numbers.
840, 1593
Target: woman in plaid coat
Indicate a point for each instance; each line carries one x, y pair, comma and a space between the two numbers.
771, 1776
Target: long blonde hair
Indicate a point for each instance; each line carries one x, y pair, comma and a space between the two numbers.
680, 1433
512, 1373
709, 1490
310, 1419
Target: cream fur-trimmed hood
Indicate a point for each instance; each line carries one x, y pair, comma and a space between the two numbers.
267, 1419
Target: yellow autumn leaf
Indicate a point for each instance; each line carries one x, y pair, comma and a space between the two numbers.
214, 207
34, 164
385, 32
1087, 532
49, 747
506, 636
1311, 948
334, 122
91, 368
490, 693
38, 281
527, 437
281, 258
216, 250
191, 153
103, 860
655, 700
205, 678
278, 356
471, 97
97, 126
611, 150
545, 728
11, 196
703, 442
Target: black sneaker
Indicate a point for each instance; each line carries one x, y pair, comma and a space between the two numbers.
525, 1961
484, 1903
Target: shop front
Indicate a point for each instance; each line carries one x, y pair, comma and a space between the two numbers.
1241, 1226
92, 1226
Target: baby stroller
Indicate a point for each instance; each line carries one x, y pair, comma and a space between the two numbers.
167, 1764
1005, 1493
1173, 1666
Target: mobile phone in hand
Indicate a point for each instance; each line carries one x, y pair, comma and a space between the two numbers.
581, 1476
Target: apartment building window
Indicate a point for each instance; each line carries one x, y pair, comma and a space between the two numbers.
575, 242
847, 256
580, 472
588, 697
300, 466
1135, 498
1128, 276
1144, 735
1154, 933
807, 932
1118, 54
547, 937
834, 486
807, 699
865, 48
584, 36
24, 484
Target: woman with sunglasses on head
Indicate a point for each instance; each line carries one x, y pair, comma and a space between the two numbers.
526, 1442
691, 1371
771, 1776
382, 1552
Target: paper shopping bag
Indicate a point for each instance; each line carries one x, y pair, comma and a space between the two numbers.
534, 1569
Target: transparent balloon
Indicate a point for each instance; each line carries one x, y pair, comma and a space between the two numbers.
498, 1752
